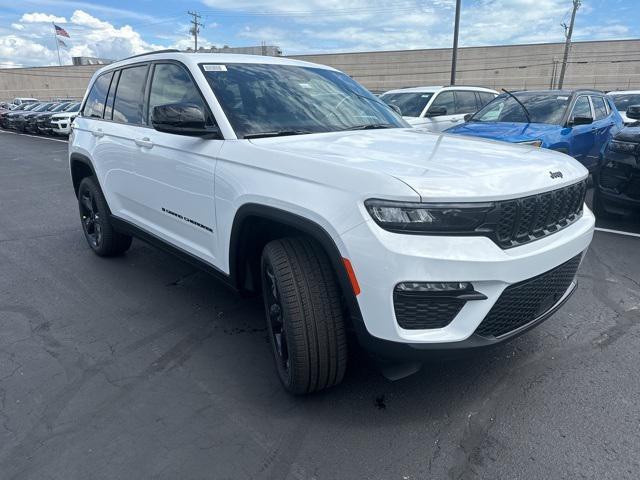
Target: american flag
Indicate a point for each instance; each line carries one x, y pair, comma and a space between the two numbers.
61, 31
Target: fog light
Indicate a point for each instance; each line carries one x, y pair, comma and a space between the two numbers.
434, 287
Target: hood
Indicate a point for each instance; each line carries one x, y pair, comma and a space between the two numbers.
505, 131
439, 167
64, 114
629, 134
415, 120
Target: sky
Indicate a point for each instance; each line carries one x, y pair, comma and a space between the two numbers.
118, 28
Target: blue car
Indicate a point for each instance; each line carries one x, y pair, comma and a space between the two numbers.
576, 122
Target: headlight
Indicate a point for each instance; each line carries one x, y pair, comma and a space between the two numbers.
429, 217
533, 143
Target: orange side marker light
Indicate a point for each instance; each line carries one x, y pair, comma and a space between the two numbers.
352, 276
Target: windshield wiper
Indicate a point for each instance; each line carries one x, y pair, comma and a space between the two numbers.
277, 133
526, 112
371, 126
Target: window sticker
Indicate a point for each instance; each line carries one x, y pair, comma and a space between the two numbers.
215, 68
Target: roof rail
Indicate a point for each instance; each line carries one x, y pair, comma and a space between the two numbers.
168, 50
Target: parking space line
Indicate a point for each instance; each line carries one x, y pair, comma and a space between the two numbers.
618, 232
34, 136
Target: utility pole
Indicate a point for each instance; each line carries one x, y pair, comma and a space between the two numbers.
456, 29
568, 32
195, 30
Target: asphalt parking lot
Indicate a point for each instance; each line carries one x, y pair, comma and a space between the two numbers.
142, 367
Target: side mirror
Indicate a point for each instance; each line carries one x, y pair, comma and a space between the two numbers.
468, 116
634, 112
581, 121
436, 111
182, 119
395, 108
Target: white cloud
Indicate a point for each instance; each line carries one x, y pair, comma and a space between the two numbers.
33, 44
41, 18
17, 50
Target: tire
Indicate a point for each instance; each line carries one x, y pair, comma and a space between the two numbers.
94, 215
304, 315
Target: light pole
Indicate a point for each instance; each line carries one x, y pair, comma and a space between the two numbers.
454, 57
567, 43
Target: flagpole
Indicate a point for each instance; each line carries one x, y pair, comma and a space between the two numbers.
55, 38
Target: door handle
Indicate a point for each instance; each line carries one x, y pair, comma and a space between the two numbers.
144, 142
97, 133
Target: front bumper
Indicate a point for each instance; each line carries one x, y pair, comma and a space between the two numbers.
61, 127
618, 182
381, 260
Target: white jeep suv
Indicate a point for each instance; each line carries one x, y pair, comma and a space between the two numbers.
438, 108
290, 179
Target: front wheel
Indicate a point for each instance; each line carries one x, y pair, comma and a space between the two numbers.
100, 234
304, 315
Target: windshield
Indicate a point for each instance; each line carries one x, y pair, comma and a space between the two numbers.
542, 108
623, 102
411, 104
59, 108
41, 108
74, 107
262, 100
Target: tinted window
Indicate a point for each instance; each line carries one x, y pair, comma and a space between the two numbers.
581, 108
172, 84
465, 102
599, 108
108, 109
95, 101
485, 98
446, 100
129, 101
411, 104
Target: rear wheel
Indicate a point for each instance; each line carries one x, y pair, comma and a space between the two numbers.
100, 234
304, 315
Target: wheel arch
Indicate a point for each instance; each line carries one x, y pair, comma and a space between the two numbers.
80, 167
254, 225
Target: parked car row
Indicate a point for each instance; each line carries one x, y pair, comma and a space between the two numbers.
599, 130
53, 118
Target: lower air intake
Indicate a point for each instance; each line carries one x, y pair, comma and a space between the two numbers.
523, 302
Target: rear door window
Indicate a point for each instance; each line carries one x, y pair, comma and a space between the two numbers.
128, 106
94, 107
465, 101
